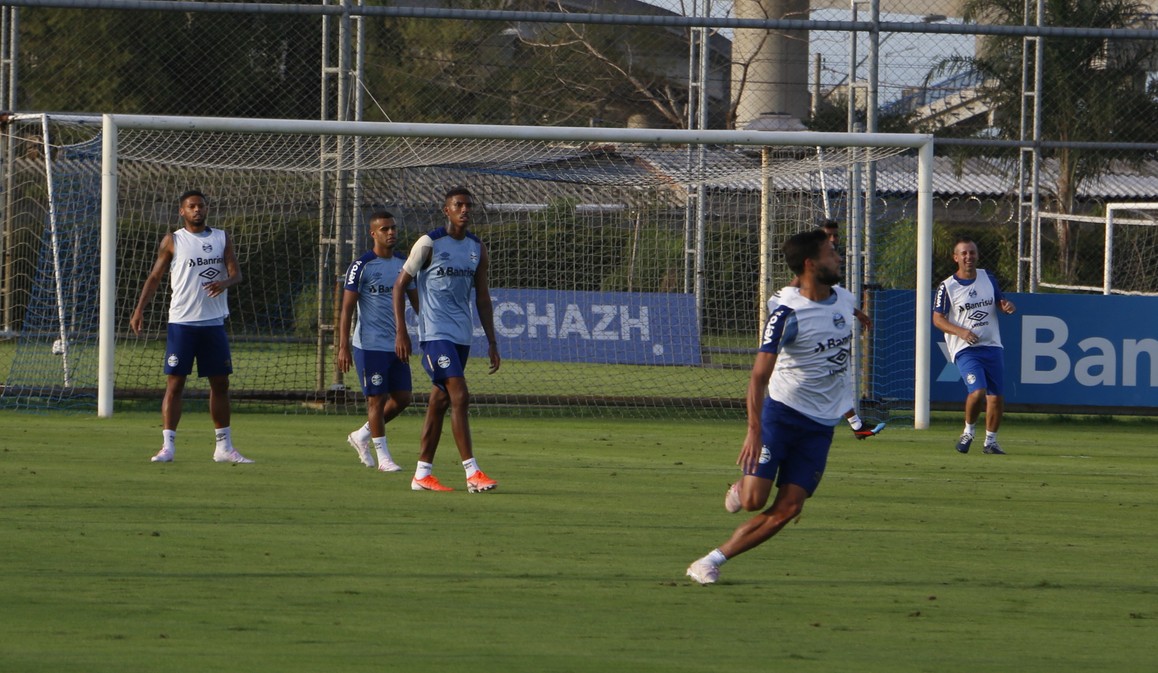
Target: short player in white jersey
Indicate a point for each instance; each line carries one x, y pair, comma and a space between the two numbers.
449, 264
201, 265
965, 309
368, 341
802, 365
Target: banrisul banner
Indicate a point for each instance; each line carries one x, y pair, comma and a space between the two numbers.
1060, 349
601, 327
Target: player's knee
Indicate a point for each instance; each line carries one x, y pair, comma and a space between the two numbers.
403, 399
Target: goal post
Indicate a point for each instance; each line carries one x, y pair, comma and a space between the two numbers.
628, 265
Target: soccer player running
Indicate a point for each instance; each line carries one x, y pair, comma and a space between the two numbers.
385, 379
202, 266
448, 263
803, 364
964, 309
859, 429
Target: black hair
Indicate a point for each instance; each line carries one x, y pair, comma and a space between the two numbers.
457, 191
802, 246
188, 193
380, 215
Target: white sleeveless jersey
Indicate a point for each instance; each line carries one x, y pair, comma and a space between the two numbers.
812, 341
197, 260
445, 286
972, 304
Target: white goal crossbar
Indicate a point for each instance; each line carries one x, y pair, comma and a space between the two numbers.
923, 144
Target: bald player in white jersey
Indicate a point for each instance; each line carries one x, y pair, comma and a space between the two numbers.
802, 365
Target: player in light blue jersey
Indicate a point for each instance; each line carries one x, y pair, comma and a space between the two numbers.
965, 309
385, 379
202, 266
449, 264
803, 365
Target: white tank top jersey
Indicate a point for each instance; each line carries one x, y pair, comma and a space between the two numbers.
197, 259
972, 304
445, 286
373, 278
812, 341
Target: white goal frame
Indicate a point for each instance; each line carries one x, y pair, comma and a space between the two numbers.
112, 123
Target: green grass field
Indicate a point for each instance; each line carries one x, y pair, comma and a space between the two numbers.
910, 558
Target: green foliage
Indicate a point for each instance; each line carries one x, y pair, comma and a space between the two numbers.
896, 241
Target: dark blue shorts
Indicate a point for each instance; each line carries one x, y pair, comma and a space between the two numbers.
381, 372
982, 368
444, 360
795, 447
209, 345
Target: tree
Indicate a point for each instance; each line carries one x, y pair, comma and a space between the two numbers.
1092, 90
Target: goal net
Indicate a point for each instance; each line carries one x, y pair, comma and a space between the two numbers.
629, 267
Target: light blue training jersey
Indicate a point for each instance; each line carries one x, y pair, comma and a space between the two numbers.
445, 288
372, 277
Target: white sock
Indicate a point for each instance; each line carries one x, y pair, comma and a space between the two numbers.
224, 439
990, 438
855, 422
470, 466
969, 428
716, 558
383, 450
423, 470
362, 434
169, 441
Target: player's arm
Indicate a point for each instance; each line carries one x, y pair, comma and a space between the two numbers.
865, 321
418, 259
345, 319
232, 271
942, 323
1004, 304
486, 309
165, 253
757, 385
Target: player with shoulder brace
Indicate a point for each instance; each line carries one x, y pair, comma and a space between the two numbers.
449, 264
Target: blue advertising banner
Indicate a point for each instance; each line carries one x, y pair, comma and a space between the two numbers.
1060, 349
599, 327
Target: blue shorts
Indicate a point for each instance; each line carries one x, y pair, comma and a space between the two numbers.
381, 372
795, 447
982, 368
208, 344
444, 360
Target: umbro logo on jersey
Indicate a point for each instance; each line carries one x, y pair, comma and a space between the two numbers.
839, 359
209, 274
978, 316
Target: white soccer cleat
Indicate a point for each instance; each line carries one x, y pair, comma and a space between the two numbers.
163, 456
230, 456
388, 465
732, 498
703, 572
365, 452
